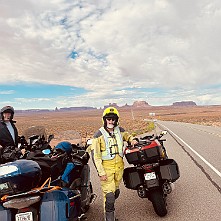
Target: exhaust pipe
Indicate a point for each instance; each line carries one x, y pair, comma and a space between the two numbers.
142, 192
168, 187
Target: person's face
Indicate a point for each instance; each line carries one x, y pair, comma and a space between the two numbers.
110, 122
7, 116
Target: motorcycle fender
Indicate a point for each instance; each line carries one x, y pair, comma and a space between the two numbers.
152, 183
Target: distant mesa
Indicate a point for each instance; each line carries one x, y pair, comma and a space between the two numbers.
76, 108
126, 106
144, 104
33, 110
140, 104
63, 109
184, 103
111, 105
136, 104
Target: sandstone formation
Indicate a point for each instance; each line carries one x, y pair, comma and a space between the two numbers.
184, 103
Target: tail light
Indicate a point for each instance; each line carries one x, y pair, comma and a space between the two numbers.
147, 167
23, 210
72, 203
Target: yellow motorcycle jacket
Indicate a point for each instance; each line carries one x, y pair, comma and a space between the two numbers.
108, 149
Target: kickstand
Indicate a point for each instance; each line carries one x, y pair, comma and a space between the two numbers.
82, 217
93, 198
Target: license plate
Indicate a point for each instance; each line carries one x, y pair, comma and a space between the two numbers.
4, 186
24, 216
150, 176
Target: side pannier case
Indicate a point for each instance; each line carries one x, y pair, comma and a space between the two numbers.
60, 205
5, 214
149, 152
19, 176
169, 170
133, 177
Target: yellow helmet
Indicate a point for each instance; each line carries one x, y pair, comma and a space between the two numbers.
111, 112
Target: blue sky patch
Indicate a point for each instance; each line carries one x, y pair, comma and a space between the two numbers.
38, 91
73, 55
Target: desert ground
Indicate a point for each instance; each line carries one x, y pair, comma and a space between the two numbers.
134, 120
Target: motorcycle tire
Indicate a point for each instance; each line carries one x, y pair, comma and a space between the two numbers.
158, 200
88, 195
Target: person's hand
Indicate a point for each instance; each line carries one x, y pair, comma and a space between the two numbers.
103, 178
134, 142
23, 151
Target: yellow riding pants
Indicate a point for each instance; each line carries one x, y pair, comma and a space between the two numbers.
114, 170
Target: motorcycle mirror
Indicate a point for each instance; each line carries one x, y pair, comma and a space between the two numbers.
46, 151
50, 137
164, 132
89, 142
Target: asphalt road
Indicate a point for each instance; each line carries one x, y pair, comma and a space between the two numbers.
197, 194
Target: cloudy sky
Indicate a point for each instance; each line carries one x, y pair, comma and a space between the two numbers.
63, 53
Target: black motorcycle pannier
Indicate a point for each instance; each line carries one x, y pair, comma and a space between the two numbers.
147, 153
169, 170
5, 214
133, 177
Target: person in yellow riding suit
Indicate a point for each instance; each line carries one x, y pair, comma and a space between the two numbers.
107, 152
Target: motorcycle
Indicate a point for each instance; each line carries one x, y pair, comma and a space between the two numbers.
81, 172
28, 189
153, 173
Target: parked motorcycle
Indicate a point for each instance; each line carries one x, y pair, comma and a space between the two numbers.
81, 171
26, 189
153, 172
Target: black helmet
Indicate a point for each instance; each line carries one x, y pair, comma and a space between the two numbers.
8, 109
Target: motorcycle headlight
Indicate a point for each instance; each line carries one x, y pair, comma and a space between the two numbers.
8, 170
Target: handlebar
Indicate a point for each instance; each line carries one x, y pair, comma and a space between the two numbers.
155, 137
146, 140
148, 137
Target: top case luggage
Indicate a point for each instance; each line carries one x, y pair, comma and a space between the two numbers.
149, 152
19, 176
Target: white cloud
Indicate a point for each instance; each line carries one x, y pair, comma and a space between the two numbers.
7, 92
138, 44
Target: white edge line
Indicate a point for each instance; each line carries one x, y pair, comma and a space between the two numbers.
203, 159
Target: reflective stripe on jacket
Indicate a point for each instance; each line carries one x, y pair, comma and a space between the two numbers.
99, 146
114, 144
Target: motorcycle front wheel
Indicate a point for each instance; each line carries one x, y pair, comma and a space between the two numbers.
87, 197
158, 200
